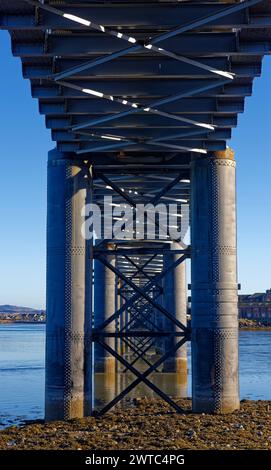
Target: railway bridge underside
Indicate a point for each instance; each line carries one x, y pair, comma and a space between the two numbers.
141, 98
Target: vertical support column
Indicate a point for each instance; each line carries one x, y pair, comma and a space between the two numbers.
126, 317
104, 307
121, 318
126, 321
214, 308
68, 345
175, 301
117, 307
159, 321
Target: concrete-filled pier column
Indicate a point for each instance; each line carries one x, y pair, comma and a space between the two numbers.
159, 318
214, 288
117, 321
175, 301
121, 318
104, 307
68, 345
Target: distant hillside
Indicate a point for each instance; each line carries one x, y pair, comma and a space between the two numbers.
14, 309
15, 314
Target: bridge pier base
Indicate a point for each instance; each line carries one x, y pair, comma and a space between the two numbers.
68, 391
214, 309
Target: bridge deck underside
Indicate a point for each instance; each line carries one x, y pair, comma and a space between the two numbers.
125, 55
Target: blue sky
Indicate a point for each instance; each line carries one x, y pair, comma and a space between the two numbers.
24, 146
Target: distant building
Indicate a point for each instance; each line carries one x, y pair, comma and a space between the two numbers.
255, 306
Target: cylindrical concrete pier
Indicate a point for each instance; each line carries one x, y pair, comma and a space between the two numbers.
117, 321
121, 319
104, 307
175, 301
214, 284
68, 347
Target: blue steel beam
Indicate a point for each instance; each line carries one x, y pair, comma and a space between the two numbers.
217, 106
184, 145
138, 90
126, 147
92, 44
163, 134
153, 16
145, 121
187, 105
147, 67
174, 140
213, 44
13, 22
180, 136
137, 147
142, 88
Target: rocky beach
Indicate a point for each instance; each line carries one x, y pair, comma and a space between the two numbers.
149, 424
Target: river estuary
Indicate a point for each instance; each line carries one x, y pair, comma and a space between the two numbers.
22, 371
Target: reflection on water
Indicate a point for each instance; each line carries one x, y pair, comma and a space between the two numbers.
108, 386
22, 373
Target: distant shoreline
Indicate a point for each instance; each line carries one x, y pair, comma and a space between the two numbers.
244, 324
13, 322
255, 328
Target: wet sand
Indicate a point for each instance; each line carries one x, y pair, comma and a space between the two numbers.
150, 424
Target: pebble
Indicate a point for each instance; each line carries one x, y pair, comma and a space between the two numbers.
239, 426
11, 443
191, 433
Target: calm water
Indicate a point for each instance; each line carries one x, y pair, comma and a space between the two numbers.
22, 370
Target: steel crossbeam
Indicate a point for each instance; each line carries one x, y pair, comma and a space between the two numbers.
142, 377
147, 288
125, 196
142, 293
134, 339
